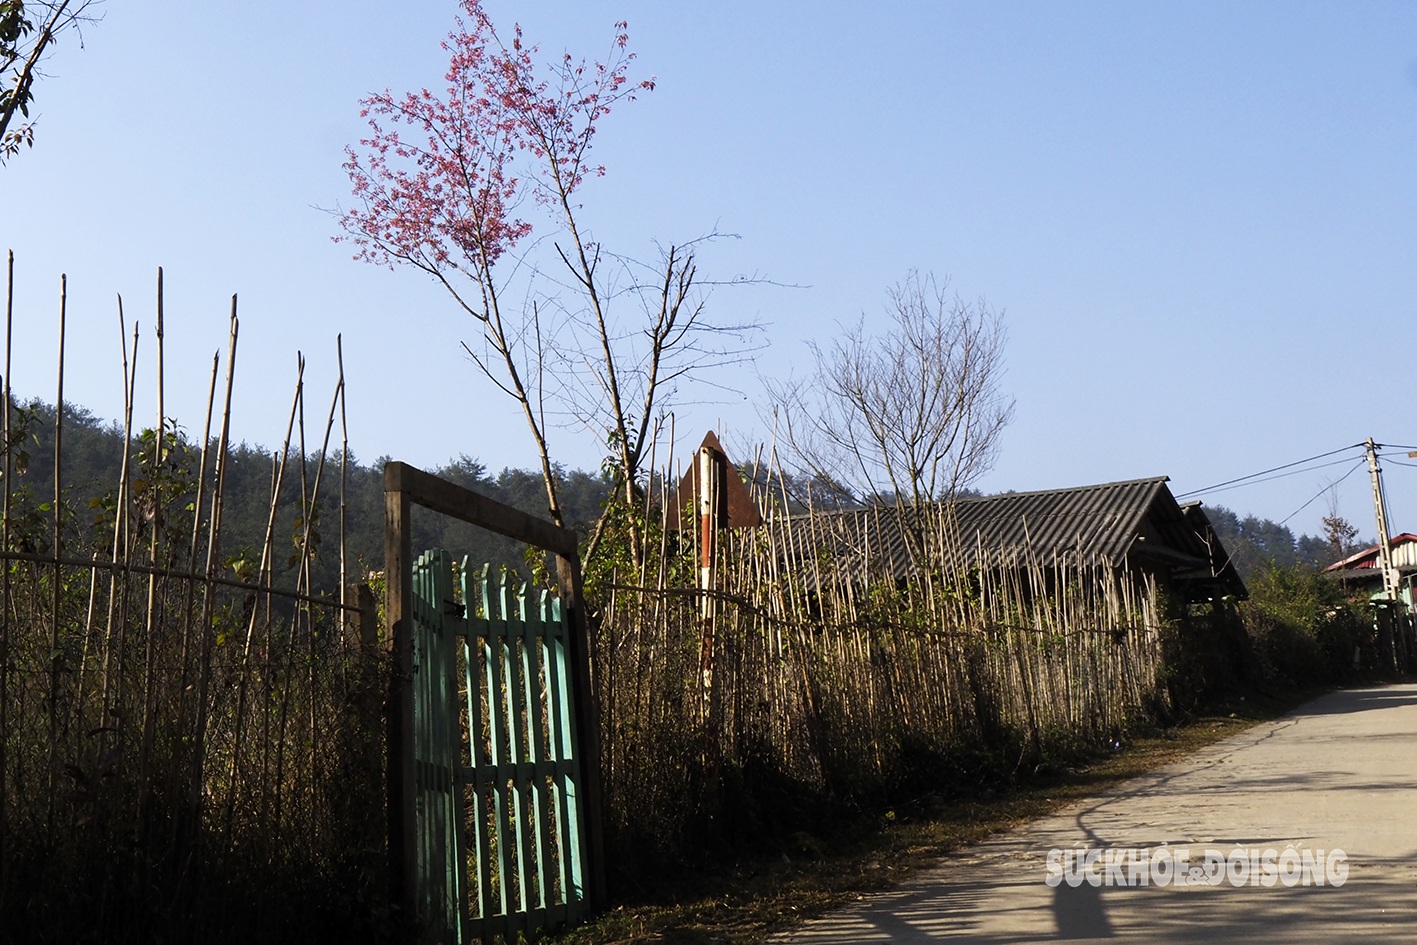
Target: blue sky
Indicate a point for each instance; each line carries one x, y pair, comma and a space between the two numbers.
1198, 219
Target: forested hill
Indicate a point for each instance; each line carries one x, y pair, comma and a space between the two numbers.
1255, 542
93, 458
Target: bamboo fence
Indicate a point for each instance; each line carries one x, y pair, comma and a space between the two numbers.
187, 751
841, 681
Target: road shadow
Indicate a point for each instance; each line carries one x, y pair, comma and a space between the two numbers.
1368, 699
1011, 912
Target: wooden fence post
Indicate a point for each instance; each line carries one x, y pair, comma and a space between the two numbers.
361, 621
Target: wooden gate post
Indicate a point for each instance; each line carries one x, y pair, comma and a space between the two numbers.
568, 574
398, 629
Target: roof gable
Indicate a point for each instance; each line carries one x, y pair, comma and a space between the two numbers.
1099, 523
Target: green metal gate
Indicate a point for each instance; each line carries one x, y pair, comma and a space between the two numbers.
498, 807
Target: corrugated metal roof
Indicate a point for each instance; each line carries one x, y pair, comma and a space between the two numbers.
1404, 553
1100, 523
1111, 523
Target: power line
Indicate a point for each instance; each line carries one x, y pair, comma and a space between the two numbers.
1251, 481
1265, 472
1301, 508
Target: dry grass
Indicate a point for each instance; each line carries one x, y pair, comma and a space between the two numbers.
756, 899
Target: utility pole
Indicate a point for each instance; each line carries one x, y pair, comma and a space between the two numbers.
1392, 581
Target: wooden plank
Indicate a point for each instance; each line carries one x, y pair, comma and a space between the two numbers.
497, 708
398, 627
516, 742
478, 757
450, 499
533, 667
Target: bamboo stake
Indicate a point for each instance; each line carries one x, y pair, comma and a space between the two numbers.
150, 628
279, 480
118, 516
55, 663
310, 506
5, 581
208, 596
197, 530
263, 575
290, 641
266, 675
84, 656
343, 469
120, 568
315, 491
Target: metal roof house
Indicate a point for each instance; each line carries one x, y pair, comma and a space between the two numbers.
1362, 572
1135, 524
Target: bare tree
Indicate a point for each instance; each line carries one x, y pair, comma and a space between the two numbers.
911, 416
25, 35
1338, 531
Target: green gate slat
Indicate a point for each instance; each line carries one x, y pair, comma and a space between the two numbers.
438, 903
480, 756
516, 740
496, 628
534, 628
559, 754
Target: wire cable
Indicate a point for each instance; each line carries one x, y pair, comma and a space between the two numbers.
1253, 482
1356, 467
1265, 472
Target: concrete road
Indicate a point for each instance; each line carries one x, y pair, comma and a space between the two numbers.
1340, 772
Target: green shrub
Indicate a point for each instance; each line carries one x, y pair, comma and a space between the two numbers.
1305, 626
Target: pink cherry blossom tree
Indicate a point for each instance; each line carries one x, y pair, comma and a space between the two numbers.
442, 183
438, 186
